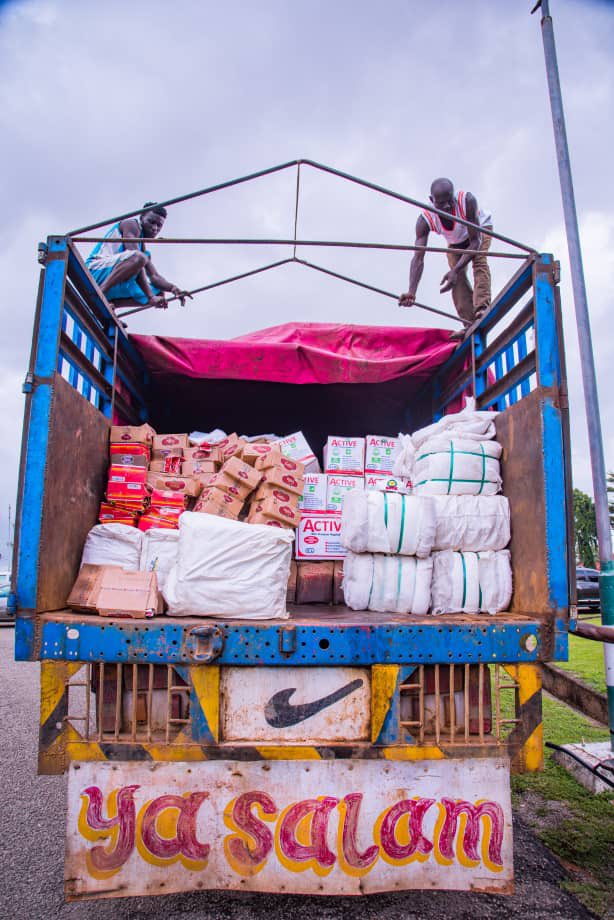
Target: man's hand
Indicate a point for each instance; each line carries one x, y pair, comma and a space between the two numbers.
176, 292
158, 301
448, 281
407, 300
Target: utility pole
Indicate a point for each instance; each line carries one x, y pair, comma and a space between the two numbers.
587, 360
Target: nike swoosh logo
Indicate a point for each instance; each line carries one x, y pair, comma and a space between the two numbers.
280, 713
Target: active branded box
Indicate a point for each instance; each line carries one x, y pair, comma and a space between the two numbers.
337, 487
318, 536
295, 447
388, 484
345, 456
314, 493
379, 452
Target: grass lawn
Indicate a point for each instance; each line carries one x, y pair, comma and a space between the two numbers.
574, 824
586, 660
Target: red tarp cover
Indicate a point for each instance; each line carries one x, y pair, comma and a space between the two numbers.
303, 353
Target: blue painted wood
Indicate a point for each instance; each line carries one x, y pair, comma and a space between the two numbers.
510, 363
24, 638
525, 388
546, 332
555, 505
164, 641
390, 732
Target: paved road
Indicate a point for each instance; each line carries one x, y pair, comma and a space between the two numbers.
32, 839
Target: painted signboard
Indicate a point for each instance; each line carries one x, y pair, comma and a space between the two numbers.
295, 704
326, 827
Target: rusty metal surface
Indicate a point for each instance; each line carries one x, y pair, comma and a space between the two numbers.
311, 827
74, 482
519, 430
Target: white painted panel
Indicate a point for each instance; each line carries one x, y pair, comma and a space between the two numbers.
295, 704
311, 827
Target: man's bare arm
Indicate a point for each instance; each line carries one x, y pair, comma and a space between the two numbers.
165, 285
475, 239
417, 264
131, 229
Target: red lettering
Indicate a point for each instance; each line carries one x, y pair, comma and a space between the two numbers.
184, 842
247, 858
317, 849
417, 843
124, 823
355, 859
471, 835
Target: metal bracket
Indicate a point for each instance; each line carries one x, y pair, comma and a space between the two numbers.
204, 643
556, 272
42, 254
287, 640
28, 384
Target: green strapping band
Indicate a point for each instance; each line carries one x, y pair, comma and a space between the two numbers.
483, 468
479, 585
433, 453
402, 524
451, 478
464, 580
386, 510
399, 573
372, 583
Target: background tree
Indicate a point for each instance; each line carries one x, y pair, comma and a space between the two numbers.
586, 528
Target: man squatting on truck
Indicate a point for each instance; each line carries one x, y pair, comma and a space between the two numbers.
470, 303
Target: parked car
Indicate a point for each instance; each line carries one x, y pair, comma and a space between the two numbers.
587, 586
5, 590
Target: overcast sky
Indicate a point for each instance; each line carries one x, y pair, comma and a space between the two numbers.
106, 105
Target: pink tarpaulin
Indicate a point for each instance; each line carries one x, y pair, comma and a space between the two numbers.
303, 353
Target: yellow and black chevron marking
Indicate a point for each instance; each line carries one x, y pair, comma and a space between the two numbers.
526, 741
55, 676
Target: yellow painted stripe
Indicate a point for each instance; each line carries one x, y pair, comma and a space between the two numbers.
413, 752
384, 678
188, 753
532, 752
54, 677
280, 752
78, 749
528, 677
206, 681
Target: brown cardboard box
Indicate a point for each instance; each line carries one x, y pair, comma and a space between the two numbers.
242, 472
291, 590
198, 467
227, 483
277, 476
276, 459
160, 466
220, 499
281, 511
234, 448
314, 583
130, 434
162, 441
112, 591
138, 460
265, 491
258, 518
167, 452
185, 485
338, 597
255, 453
203, 453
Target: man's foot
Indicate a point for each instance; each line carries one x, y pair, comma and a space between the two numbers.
459, 335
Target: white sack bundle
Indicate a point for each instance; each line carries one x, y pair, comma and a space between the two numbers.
389, 584
159, 552
471, 582
457, 467
387, 522
471, 522
113, 544
468, 423
229, 569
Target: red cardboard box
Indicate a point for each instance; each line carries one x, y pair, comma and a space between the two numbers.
166, 499
281, 511
318, 536
130, 434
185, 485
129, 454
277, 476
226, 483
127, 482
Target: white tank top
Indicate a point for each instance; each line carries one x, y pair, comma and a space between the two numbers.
458, 233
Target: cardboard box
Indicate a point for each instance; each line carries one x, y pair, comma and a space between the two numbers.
252, 453
338, 487
124, 475
164, 441
379, 451
295, 447
233, 449
273, 508
152, 519
314, 492
186, 485
166, 452
258, 518
127, 482
112, 591
129, 455
226, 483
164, 498
277, 476
318, 536
242, 472
199, 468
265, 491
345, 456
314, 583
387, 484
214, 498
166, 466
109, 514
213, 454
130, 434
338, 597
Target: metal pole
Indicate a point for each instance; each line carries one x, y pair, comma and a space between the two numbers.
589, 379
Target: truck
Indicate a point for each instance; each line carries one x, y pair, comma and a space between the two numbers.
392, 771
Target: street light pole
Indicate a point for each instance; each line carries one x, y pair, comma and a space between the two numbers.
589, 378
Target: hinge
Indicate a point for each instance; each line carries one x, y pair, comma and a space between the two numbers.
28, 384
556, 272
42, 253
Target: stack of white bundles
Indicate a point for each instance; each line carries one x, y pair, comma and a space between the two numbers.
445, 466
388, 522
394, 584
230, 569
159, 552
113, 544
471, 523
471, 582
